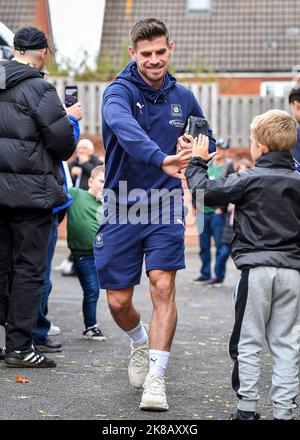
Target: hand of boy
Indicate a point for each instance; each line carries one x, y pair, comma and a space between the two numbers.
200, 148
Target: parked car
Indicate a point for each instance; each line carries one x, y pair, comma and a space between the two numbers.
6, 42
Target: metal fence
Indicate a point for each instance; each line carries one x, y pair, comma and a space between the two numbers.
229, 116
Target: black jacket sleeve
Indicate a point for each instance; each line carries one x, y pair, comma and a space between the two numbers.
228, 169
216, 192
55, 127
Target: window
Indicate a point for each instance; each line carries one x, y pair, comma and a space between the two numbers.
275, 88
293, 30
271, 44
199, 5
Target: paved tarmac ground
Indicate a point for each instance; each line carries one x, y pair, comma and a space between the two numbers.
91, 382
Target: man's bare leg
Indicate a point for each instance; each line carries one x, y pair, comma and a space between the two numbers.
161, 333
129, 320
122, 309
164, 316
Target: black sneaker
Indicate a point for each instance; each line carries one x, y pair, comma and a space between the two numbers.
2, 354
48, 346
93, 333
201, 279
31, 358
245, 415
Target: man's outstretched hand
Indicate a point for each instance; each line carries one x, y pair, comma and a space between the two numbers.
172, 165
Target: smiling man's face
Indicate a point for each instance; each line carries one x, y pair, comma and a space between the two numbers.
152, 58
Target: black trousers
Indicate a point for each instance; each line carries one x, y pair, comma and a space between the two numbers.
23, 248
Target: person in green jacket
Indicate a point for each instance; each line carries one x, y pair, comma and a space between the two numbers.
83, 220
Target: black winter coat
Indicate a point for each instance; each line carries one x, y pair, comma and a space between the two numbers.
267, 209
35, 134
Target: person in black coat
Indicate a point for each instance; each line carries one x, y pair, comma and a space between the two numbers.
35, 135
266, 248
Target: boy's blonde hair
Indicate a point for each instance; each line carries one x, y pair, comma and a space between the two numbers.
96, 171
276, 129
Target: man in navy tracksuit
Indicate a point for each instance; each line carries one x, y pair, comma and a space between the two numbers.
294, 101
144, 113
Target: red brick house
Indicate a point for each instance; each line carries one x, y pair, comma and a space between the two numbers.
249, 46
18, 13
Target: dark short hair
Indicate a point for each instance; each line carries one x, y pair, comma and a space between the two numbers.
294, 94
148, 29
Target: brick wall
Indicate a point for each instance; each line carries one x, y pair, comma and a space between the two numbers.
244, 86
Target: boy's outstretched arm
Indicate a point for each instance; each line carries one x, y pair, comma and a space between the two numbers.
216, 192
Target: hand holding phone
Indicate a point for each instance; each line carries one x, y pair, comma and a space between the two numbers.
75, 110
201, 148
194, 127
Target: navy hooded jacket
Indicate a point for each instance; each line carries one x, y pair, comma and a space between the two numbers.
296, 150
141, 126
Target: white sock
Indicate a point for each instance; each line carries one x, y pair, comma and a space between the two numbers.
158, 361
138, 335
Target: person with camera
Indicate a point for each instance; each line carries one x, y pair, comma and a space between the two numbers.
35, 135
265, 248
144, 112
41, 331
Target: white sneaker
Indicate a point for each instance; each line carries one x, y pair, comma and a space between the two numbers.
154, 396
54, 330
62, 265
138, 365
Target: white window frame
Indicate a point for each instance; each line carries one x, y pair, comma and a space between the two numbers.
199, 5
279, 88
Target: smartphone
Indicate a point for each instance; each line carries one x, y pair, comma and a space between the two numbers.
196, 126
71, 95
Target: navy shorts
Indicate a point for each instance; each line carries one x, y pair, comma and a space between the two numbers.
119, 251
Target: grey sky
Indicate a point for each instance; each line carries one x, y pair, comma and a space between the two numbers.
76, 26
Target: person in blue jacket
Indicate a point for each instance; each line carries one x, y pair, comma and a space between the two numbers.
40, 332
294, 101
144, 112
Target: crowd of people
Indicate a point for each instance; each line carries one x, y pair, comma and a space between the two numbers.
251, 210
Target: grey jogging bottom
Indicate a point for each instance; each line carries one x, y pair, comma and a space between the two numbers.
267, 308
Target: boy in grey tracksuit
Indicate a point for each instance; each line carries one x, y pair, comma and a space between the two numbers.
266, 247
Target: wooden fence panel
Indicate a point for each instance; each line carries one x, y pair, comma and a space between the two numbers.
229, 116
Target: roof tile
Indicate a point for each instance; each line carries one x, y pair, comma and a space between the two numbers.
236, 35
